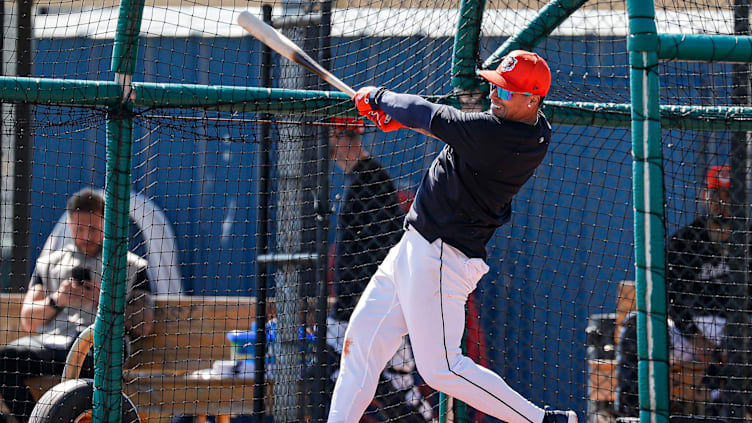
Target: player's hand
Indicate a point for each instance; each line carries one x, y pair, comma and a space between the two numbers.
364, 103
78, 295
383, 121
362, 100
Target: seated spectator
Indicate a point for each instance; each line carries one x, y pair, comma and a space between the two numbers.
62, 300
701, 304
698, 270
626, 396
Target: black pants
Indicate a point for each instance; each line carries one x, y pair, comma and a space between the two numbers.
25, 358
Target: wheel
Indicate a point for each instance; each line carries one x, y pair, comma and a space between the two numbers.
70, 402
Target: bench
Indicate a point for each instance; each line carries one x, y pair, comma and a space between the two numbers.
688, 396
189, 334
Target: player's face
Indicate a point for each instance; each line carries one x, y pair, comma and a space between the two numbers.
508, 105
88, 232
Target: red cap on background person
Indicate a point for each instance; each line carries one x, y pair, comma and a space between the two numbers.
719, 177
348, 124
521, 72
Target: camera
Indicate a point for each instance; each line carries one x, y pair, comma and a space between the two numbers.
81, 274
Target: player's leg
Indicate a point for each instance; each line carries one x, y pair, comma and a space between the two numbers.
434, 284
373, 335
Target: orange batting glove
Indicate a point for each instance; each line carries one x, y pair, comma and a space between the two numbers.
363, 101
364, 104
383, 121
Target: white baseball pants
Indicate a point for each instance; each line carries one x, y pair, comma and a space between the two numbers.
421, 289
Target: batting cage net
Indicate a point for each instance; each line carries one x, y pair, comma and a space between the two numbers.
254, 206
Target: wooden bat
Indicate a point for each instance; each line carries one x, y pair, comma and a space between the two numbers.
284, 46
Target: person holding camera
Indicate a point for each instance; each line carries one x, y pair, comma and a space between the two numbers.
62, 300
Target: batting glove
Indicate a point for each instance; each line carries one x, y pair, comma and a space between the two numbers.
366, 101
362, 100
383, 121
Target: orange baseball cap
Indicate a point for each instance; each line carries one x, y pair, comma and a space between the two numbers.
719, 177
349, 124
521, 72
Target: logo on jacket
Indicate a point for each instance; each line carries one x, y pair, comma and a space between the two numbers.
713, 272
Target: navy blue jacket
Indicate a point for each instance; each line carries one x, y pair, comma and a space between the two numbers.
467, 193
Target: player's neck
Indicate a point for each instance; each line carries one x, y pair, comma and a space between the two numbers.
529, 117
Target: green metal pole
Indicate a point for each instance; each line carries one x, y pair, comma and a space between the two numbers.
110, 322
86, 93
466, 45
706, 48
125, 49
649, 221
109, 326
465, 83
545, 22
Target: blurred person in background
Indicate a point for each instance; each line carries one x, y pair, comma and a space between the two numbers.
62, 301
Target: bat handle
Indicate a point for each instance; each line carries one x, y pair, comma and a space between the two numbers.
337, 83
347, 90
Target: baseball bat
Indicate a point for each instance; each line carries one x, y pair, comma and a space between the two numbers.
284, 46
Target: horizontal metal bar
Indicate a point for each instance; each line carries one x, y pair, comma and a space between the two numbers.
64, 92
286, 258
297, 21
76, 92
85, 93
618, 115
541, 26
705, 48
242, 99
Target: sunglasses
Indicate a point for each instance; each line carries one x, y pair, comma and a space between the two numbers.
504, 94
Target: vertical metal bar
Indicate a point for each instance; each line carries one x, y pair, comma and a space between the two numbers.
545, 22
738, 325
109, 327
320, 395
293, 230
466, 45
649, 220
262, 241
22, 167
464, 82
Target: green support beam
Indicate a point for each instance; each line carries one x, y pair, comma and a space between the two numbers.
242, 99
71, 92
545, 22
58, 92
125, 49
109, 326
649, 218
83, 93
613, 115
705, 48
464, 81
467, 45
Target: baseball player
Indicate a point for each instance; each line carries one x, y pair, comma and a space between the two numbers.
422, 285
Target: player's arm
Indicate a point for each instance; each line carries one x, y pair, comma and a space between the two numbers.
410, 110
391, 111
36, 309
